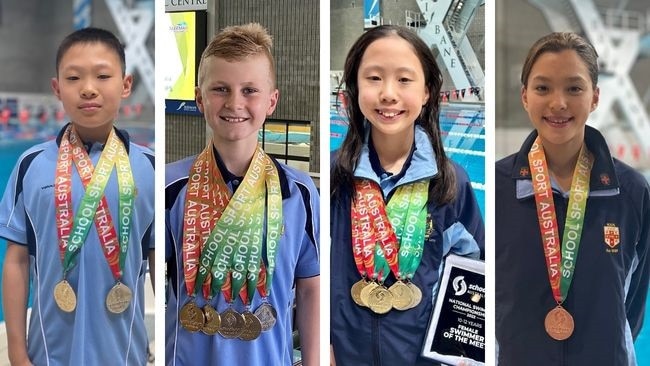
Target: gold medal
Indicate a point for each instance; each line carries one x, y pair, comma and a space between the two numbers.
267, 316
559, 323
355, 291
252, 327
64, 296
417, 295
118, 298
232, 324
380, 300
402, 295
365, 292
212, 320
191, 317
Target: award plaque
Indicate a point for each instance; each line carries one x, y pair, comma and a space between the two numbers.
456, 331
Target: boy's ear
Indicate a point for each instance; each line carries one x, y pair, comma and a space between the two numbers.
55, 88
127, 83
199, 98
275, 95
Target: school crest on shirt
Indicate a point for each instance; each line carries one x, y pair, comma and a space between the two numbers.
604, 179
611, 235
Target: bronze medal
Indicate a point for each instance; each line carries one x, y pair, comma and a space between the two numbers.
252, 327
355, 291
191, 317
559, 323
118, 298
212, 320
65, 297
232, 324
365, 292
380, 300
267, 316
402, 295
417, 295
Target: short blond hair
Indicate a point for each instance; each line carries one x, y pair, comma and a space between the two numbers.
238, 42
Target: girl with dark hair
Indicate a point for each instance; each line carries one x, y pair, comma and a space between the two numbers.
399, 205
572, 229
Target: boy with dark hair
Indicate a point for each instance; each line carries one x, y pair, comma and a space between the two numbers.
78, 217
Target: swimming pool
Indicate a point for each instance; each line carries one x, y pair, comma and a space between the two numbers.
10, 150
463, 135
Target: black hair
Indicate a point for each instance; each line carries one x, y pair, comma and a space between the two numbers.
91, 35
443, 189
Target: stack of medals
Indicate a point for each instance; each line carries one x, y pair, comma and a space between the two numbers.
381, 246
559, 322
222, 246
72, 233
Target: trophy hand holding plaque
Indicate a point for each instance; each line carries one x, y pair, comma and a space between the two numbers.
456, 331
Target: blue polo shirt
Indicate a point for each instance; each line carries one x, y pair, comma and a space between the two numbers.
91, 335
297, 257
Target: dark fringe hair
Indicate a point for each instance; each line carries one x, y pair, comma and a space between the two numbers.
91, 35
443, 188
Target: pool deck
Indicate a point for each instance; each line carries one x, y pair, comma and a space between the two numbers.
148, 319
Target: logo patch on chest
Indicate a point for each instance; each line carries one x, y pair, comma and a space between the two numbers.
611, 236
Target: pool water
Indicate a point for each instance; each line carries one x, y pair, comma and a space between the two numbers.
463, 135
642, 344
10, 151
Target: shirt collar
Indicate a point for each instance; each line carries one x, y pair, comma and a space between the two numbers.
376, 164
228, 177
233, 181
420, 164
121, 134
603, 180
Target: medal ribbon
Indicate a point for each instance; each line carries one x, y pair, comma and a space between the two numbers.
395, 232
240, 230
72, 234
273, 228
223, 235
205, 198
261, 284
407, 211
386, 245
363, 234
560, 268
